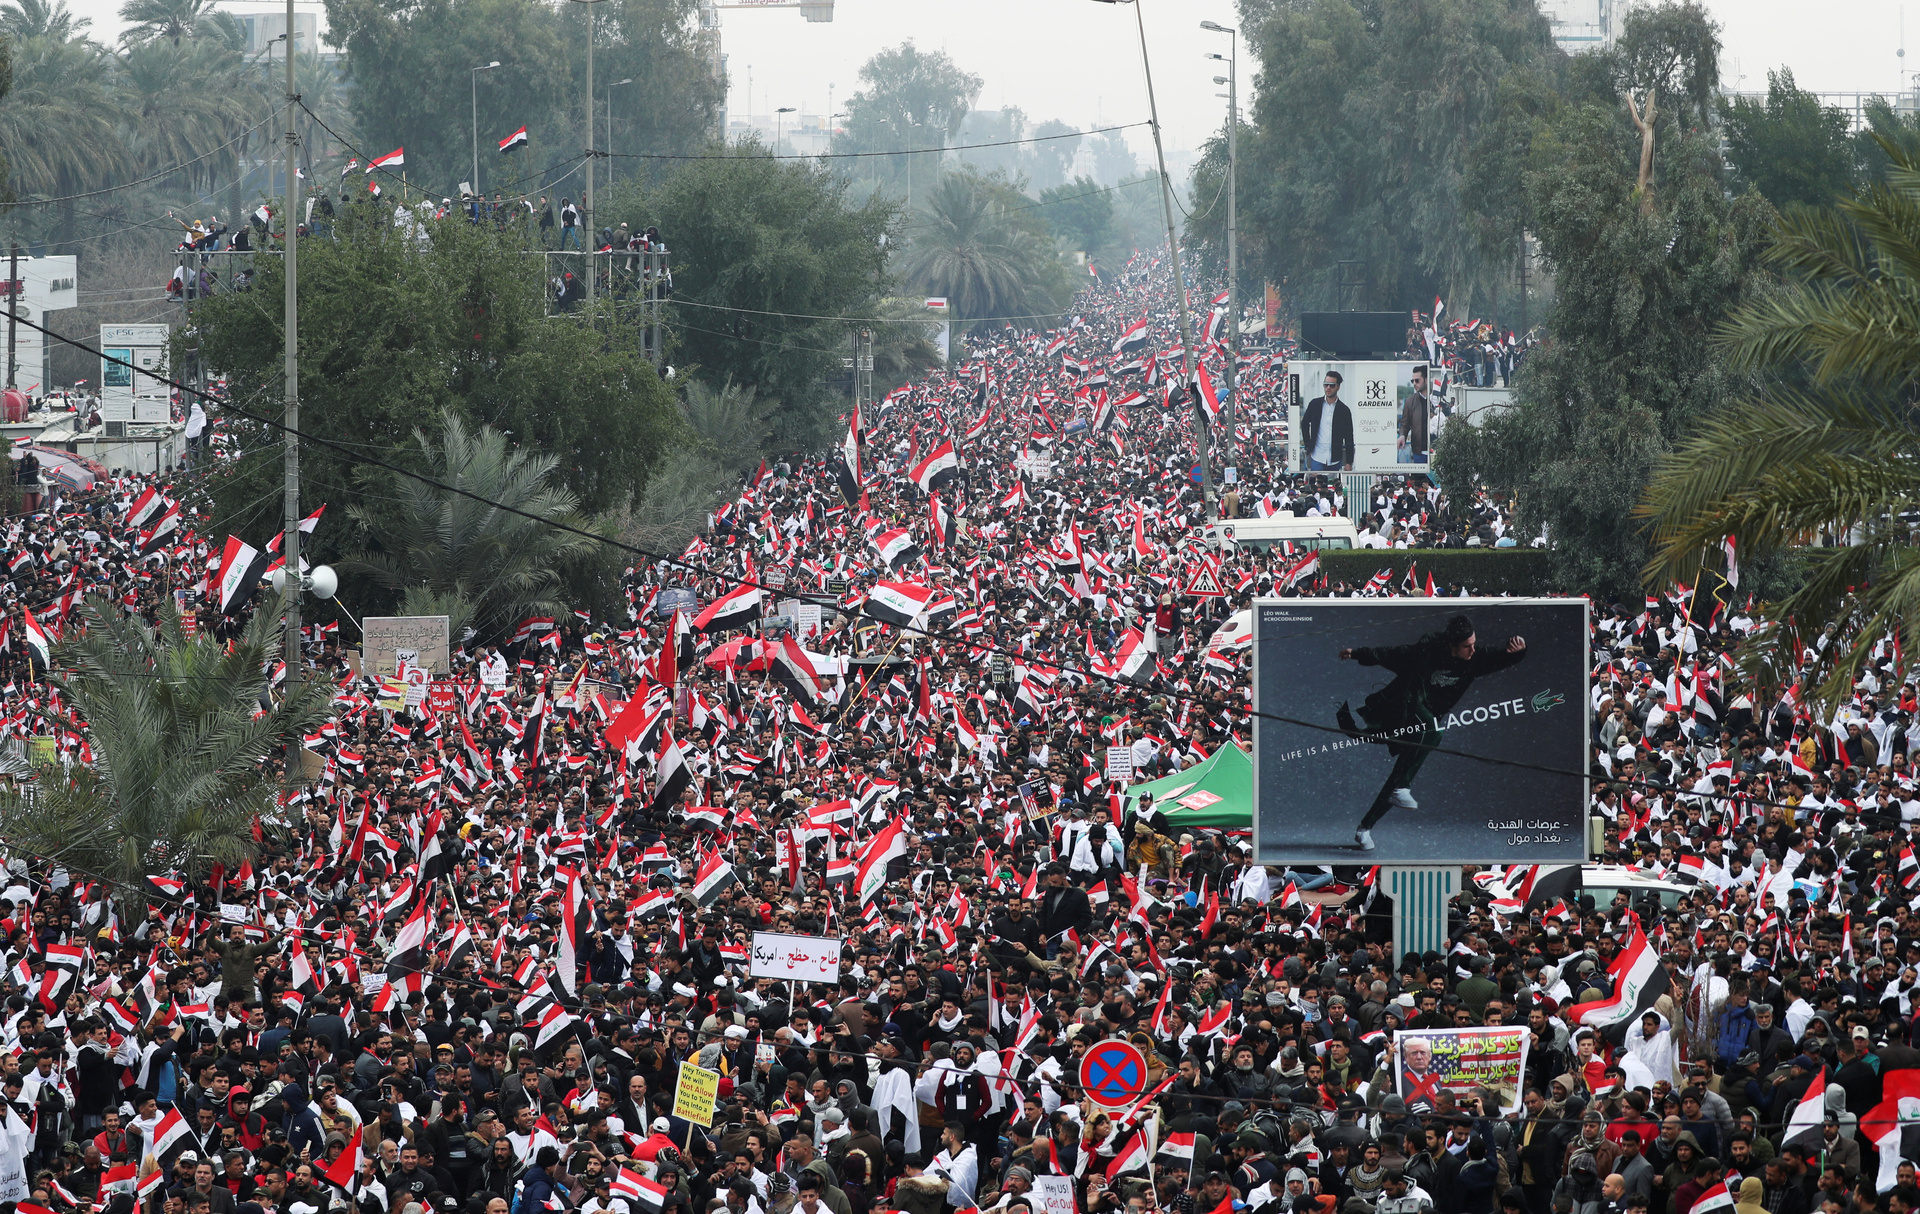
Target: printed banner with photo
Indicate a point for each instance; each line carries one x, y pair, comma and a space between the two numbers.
1461, 1061
1419, 731
1362, 416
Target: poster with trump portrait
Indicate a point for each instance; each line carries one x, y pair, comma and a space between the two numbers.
1469, 1063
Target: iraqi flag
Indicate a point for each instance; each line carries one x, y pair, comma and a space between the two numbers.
170, 1137
943, 522
397, 158
712, 879
1716, 1198
896, 548
241, 566
870, 866
1135, 661
672, 776
1209, 396
1135, 338
645, 1196
1882, 1125
39, 649
897, 603
1638, 980
514, 142
164, 526
1132, 1157
735, 610
1810, 1114
847, 460
940, 466
144, 507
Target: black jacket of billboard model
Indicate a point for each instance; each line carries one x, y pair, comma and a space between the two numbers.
1342, 447
1426, 674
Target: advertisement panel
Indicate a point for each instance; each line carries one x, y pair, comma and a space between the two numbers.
1427, 1061
1419, 731
1378, 416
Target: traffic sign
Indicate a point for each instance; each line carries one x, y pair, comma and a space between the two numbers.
1114, 1074
1205, 585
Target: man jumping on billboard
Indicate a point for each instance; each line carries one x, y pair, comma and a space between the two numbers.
1429, 677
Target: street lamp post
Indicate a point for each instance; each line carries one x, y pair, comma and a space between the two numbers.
610, 165
473, 80
1201, 441
266, 160
586, 219
1232, 81
779, 126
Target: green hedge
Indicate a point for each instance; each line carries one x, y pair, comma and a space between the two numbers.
1518, 571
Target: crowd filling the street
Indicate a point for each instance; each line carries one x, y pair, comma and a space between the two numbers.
494, 950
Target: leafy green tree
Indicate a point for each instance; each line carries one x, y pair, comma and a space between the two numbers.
61, 122
730, 420
1789, 147
483, 563
910, 99
1113, 160
763, 250
408, 65
674, 103
181, 733
969, 247
1643, 279
1081, 213
394, 332
1359, 146
1822, 441
185, 99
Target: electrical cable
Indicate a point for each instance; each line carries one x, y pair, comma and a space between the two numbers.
161, 175
965, 643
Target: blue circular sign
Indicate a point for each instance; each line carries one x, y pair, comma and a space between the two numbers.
1114, 1074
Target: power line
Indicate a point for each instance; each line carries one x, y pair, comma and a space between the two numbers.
746, 583
162, 174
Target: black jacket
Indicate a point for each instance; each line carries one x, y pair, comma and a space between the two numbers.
1064, 909
1342, 431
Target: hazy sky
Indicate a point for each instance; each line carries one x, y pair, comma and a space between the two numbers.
1079, 61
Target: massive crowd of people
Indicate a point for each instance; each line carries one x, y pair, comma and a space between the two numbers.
473, 955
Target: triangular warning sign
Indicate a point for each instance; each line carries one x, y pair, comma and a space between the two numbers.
1205, 585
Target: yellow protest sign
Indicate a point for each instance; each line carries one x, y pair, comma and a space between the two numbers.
695, 1095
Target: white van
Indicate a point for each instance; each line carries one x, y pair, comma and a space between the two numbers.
1260, 534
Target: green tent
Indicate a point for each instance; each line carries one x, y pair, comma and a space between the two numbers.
1216, 793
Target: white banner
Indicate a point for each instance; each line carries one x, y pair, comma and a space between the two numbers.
795, 958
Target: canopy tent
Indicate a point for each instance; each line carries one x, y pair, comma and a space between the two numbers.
1216, 793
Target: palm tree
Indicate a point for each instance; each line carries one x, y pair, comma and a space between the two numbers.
732, 422
22, 19
178, 19
471, 558
1827, 447
60, 123
964, 248
188, 102
182, 732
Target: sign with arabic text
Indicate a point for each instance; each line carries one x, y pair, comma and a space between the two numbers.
795, 958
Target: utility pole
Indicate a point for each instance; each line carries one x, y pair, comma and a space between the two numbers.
290, 543
13, 317
1233, 223
1201, 441
589, 241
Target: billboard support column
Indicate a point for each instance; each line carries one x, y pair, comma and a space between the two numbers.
1420, 896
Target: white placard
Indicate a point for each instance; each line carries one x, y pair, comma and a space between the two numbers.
795, 958
1119, 764
1055, 1194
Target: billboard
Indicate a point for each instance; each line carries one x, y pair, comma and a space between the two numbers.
1419, 731
1380, 418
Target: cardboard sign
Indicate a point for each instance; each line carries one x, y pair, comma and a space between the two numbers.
443, 697
695, 1095
1054, 1194
1120, 764
425, 640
